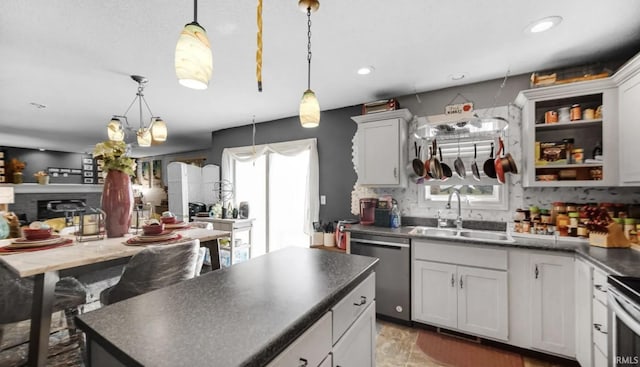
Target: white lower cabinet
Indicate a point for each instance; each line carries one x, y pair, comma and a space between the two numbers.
467, 298
584, 296
552, 311
356, 348
344, 336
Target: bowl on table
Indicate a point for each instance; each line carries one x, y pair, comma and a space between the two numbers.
35, 234
169, 220
153, 229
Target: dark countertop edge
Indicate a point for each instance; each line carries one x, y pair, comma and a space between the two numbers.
93, 335
272, 348
276, 346
574, 248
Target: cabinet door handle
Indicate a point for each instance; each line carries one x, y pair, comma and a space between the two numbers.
600, 287
395, 172
537, 272
363, 300
461, 282
302, 362
599, 328
453, 281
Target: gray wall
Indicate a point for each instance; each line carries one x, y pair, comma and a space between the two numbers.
334, 136
40, 161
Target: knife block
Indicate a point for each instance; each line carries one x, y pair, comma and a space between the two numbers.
613, 238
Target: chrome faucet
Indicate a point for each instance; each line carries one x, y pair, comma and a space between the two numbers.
459, 218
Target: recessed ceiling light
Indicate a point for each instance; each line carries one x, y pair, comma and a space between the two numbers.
41, 149
457, 76
366, 70
544, 24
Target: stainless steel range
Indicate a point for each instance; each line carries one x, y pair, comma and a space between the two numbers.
624, 316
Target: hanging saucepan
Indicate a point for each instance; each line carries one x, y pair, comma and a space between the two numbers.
489, 167
459, 165
504, 164
446, 170
474, 165
435, 168
427, 163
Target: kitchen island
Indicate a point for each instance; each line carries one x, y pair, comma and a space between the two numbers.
245, 315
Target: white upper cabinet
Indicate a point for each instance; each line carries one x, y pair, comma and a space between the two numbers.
547, 159
381, 148
628, 78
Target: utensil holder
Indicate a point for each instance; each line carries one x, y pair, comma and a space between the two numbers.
329, 239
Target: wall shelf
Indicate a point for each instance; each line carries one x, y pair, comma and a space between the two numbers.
568, 125
33, 188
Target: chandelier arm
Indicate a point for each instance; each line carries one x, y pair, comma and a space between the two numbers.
148, 108
131, 105
195, 11
309, 47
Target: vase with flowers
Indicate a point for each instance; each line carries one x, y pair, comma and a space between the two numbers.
17, 166
42, 177
117, 194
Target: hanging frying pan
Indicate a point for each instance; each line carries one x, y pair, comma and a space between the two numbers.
427, 166
459, 165
446, 170
474, 165
489, 167
416, 168
435, 168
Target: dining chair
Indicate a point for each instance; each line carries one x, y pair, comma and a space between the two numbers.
16, 297
155, 267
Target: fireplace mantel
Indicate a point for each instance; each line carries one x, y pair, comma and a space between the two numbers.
34, 188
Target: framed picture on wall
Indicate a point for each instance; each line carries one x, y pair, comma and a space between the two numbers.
157, 174
87, 167
87, 174
100, 180
88, 180
87, 161
145, 174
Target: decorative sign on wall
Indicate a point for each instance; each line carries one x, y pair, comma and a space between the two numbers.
63, 172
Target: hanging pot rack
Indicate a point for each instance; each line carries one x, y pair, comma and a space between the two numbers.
463, 126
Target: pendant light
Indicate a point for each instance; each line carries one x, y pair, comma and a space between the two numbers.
309, 106
155, 132
193, 59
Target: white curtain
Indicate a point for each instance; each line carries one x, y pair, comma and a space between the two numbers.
288, 148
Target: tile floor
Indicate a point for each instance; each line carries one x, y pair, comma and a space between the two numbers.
397, 347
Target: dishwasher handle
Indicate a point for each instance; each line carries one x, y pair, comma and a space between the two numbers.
379, 243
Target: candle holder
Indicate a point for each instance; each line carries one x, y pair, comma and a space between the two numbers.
90, 225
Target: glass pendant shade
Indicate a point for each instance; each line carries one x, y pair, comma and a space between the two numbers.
144, 137
159, 130
193, 58
115, 130
309, 109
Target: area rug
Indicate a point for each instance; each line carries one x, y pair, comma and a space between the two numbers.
456, 352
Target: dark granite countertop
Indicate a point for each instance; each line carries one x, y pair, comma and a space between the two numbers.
618, 261
244, 315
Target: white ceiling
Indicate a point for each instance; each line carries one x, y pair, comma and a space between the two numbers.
75, 57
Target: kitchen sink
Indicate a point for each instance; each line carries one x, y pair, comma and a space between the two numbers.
463, 234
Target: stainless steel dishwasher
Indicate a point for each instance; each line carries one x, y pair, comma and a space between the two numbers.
393, 272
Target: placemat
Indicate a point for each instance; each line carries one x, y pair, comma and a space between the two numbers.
133, 242
9, 251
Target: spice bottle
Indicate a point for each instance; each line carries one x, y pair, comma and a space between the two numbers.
573, 224
583, 231
568, 149
562, 224
576, 112
629, 225
558, 207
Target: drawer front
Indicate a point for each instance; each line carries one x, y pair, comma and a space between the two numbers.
227, 227
600, 286
312, 346
600, 325
351, 306
461, 255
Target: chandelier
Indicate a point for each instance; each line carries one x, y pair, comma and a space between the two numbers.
155, 132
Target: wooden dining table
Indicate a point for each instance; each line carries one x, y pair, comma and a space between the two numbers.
48, 266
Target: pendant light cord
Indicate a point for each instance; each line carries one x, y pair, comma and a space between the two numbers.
309, 48
195, 11
259, 50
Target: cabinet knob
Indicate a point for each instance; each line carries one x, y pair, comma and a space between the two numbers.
453, 281
303, 362
600, 287
395, 173
599, 328
537, 272
461, 282
363, 300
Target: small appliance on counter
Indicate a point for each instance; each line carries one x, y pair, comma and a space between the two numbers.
195, 208
243, 210
341, 236
368, 210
